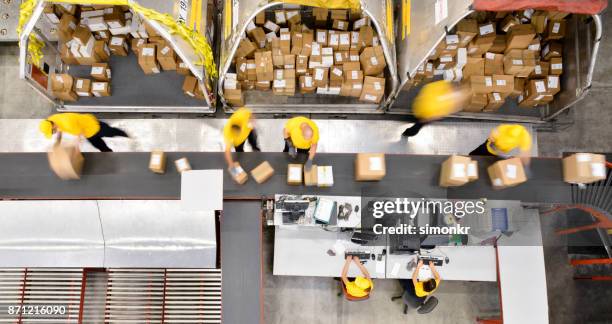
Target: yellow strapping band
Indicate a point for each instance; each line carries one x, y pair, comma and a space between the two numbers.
330, 4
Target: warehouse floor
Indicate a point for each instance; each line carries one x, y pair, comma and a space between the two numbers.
312, 300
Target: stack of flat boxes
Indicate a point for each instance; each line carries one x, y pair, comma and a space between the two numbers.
285, 55
500, 56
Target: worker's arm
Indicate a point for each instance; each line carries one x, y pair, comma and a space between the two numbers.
285, 133
228, 155
415, 274
313, 152
363, 269
347, 263
525, 157
432, 267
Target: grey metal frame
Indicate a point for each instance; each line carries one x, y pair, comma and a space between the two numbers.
181, 47
248, 9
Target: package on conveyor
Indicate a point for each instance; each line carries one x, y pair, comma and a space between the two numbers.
157, 162
325, 176
233, 90
101, 88
147, 59
66, 161
507, 173
62, 87
182, 165
294, 174
458, 170
370, 166
82, 87
238, 174
101, 72
191, 87
584, 168
262, 172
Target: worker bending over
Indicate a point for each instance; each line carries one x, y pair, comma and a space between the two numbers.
86, 125
436, 100
238, 130
361, 286
506, 141
301, 136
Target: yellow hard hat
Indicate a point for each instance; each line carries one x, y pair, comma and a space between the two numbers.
436, 100
363, 283
509, 136
46, 127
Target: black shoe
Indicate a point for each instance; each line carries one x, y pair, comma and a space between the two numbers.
410, 132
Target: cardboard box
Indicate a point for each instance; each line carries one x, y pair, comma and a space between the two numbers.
301, 65
189, 85
518, 63
353, 76
118, 45
81, 35
182, 68
477, 102
115, 18
100, 89
553, 84
278, 58
294, 174
136, 43
293, 17
540, 70
499, 44
321, 37
297, 43
66, 161
320, 16
474, 66
494, 101
339, 14
262, 85
539, 21
62, 87
246, 48
552, 49
102, 51
493, 64
310, 177
472, 171
336, 76
251, 70
260, 18
280, 17
467, 29
66, 27
234, 97
101, 72
307, 84
262, 172
556, 66
555, 30
238, 174
508, 22
259, 37
366, 36
503, 83
82, 87
584, 168
263, 66
333, 40
454, 171
321, 77
182, 165
373, 89
372, 60
506, 173
481, 84
340, 25
535, 89
147, 59
519, 87
344, 41
157, 162
370, 166
325, 176
520, 36
289, 61
166, 57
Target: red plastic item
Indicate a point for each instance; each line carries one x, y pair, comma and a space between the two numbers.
571, 6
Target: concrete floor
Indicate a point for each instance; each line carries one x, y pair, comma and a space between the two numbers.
311, 300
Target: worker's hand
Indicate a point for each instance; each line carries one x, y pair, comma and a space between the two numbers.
349, 257
234, 168
356, 258
308, 165
292, 149
431, 264
420, 264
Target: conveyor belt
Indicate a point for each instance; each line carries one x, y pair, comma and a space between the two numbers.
126, 176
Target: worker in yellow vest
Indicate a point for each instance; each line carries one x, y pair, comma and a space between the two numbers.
301, 136
361, 286
505, 141
85, 125
436, 100
237, 131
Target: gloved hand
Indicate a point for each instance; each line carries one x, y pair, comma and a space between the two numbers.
308, 165
292, 149
235, 169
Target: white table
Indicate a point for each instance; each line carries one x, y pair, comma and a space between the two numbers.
469, 263
354, 220
303, 251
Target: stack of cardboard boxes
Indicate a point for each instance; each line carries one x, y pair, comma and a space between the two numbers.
502, 55
90, 34
337, 53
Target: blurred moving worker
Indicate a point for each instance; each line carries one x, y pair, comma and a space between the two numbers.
416, 291
361, 286
506, 141
86, 125
238, 130
301, 136
436, 100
